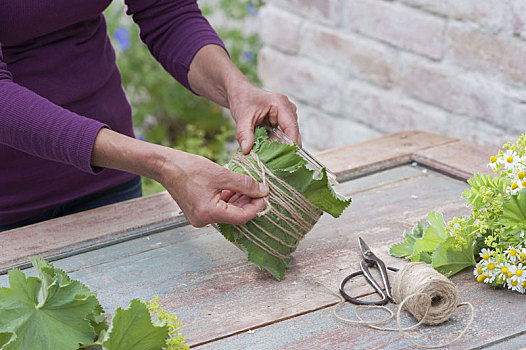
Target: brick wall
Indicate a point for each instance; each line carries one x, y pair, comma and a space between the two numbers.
362, 68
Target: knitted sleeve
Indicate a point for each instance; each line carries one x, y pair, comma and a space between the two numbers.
33, 124
173, 30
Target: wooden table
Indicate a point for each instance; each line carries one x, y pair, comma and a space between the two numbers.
144, 247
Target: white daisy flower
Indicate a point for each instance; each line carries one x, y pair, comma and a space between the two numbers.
512, 254
510, 159
522, 252
519, 274
502, 271
493, 162
485, 254
516, 185
514, 285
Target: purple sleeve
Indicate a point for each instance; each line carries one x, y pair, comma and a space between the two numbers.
173, 30
32, 124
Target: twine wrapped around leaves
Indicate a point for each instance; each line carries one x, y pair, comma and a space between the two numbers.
287, 209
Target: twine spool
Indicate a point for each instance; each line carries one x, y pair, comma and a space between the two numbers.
435, 296
423, 292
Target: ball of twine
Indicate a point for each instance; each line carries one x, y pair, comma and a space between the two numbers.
425, 293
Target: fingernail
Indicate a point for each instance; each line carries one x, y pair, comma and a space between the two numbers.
244, 145
263, 188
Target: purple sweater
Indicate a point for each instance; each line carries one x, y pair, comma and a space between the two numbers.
59, 85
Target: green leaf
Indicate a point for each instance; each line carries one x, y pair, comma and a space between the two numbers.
286, 164
49, 311
435, 233
449, 258
514, 214
132, 329
405, 249
6, 338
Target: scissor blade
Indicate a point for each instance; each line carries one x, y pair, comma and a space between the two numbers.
363, 246
367, 254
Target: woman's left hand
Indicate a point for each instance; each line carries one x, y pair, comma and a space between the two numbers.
250, 106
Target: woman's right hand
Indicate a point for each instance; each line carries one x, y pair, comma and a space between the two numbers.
206, 192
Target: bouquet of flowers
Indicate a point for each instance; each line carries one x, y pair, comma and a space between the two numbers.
493, 234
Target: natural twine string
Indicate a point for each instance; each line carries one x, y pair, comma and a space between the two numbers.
302, 214
426, 294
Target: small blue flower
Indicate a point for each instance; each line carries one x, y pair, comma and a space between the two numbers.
122, 37
248, 56
251, 10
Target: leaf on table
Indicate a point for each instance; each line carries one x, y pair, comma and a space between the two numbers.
49, 311
434, 234
449, 258
132, 329
514, 214
405, 248
286, 164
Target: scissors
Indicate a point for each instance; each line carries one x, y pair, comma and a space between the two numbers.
370, 260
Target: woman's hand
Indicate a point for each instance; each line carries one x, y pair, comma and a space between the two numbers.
215, 77
250, 106
208, 193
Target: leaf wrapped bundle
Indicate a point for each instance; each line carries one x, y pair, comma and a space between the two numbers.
298, 197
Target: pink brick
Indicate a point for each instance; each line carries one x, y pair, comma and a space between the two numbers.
458, 93
388, 113
487, 13
475, 50
301, 78
397, 25
324, 11
279, 29
348, 54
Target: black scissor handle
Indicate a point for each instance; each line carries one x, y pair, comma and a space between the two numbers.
384, 300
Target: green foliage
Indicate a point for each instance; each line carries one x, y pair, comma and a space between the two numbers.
405, 248
54, 312
50, 310
164, 112
447, 247
483, 190
175, 341
449, 258
283, 161
132, 329
496, 225
514, 217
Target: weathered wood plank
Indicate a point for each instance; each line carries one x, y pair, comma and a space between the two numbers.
459, 159
216, 292
88, 230
366, 157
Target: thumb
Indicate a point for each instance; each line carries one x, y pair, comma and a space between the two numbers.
245, 134
244, 184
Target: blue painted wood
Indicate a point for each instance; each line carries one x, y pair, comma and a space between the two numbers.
216, 292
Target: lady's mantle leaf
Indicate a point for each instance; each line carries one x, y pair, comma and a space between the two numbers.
56, 320
514, 214
449, 258
132, 329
